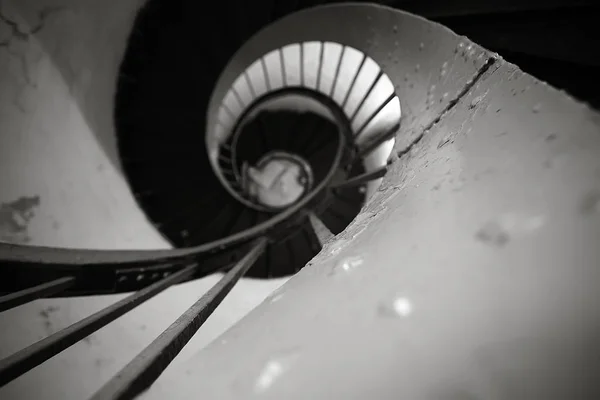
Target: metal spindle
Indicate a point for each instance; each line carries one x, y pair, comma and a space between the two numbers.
283, 72
266, 74
46, 289
366, 96
250, 86
337, 72
320, 70
375, 142
144, 369
302, 64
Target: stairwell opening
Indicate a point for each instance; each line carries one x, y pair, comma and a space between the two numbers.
273, 141
304, 92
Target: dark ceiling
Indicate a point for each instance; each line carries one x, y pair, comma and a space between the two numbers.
555, 40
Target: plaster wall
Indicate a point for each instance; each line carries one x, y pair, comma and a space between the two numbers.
61, 185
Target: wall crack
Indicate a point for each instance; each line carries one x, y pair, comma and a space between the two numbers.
490, 62
16, 32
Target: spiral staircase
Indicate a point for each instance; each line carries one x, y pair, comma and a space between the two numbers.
233, 153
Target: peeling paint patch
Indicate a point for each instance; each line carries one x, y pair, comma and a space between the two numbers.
102, 362
15, 218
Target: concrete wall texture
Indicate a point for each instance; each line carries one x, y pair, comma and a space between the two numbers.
471, 274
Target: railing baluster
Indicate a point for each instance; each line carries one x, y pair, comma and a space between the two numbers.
375, 142
224, 158
372, 116
283, 71
236, 94
228, 111
226, 146
266, 74
320, 70
143, 370
16, 299
337, 72
264, 133
302, 64
362, 101
250, 85
30, 357
363, 178
353, 82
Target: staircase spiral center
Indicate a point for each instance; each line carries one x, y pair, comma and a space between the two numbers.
278, 180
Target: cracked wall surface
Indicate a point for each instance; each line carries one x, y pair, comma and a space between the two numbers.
60, 185
472, 274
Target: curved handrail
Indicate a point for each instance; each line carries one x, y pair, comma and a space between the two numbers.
340, 119
114, 259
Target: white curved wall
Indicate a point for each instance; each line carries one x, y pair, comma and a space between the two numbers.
59, 187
